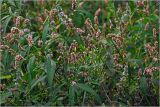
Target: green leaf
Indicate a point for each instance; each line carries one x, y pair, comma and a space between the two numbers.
143, 85
11, 2
71, 95
45, 30
31, 66
50, 67
1, 2
4, 96
109, 62
5, 76
89, 90
10, 11
3, 18
6, 22
35, 82
86, 13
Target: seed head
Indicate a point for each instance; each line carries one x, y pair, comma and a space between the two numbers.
150, 49
88, 22
30, 40
52, 13
98, 33
97, 12
154, 34
81, 4
8, 37
79, 30
73, 83
14, 30
21, 32
18, 20
39, 19
40, 42
4, 47
151, 70
140, 72
96, 20
140, 3
18, 58
74, 4
27, 21
106, 1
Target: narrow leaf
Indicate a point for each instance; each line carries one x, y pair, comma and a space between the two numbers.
45, 30
5, 77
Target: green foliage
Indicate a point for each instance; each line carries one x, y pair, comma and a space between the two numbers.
89, 90
79, 53
50, 67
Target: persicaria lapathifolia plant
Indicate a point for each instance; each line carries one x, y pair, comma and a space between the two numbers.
79, 53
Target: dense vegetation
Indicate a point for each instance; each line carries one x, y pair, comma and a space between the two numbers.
79, 52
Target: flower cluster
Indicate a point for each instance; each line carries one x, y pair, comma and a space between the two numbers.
30, 40
7, 48
150, 49
18, 58
151, 70
116, 61
73, 55
96, 16
117, 39
74, 4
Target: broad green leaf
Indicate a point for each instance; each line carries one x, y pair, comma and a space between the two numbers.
35, 82
31, 66
89, 90
6, 22
50, 67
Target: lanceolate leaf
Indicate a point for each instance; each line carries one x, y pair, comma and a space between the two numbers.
45, 30
71, 95
143, 85
50, 67
6, 22
89, 90
35, 82
31, 66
